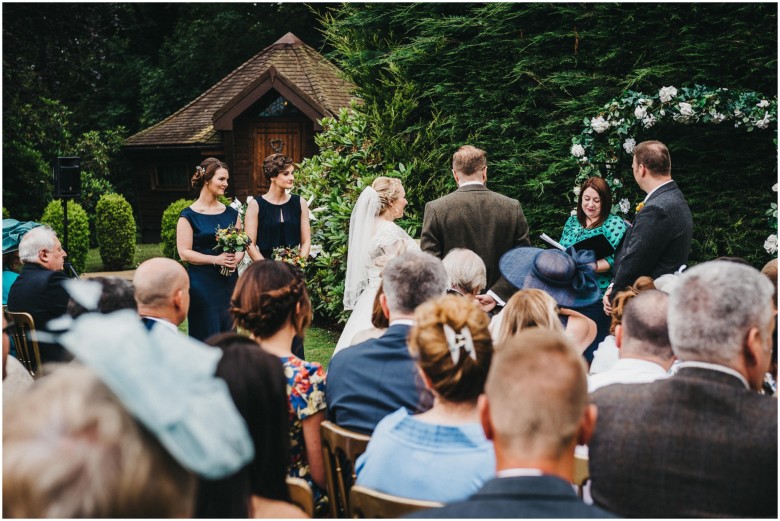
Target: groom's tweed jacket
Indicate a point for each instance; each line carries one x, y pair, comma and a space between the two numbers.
658, 241
483, 221
697, 444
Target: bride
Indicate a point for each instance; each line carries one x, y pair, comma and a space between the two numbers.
374, 239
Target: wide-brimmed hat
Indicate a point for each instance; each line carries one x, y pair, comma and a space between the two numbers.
13, 231
567, 276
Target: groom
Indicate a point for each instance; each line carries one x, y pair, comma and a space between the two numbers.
476, 218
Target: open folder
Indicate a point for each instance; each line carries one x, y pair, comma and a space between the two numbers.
598, 243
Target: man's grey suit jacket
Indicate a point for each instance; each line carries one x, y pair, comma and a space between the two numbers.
697, 444
658, 241
483, 221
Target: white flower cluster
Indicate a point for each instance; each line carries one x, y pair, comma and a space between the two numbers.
685, 109
770, 244
628, 145
624, 205
599, 124
763, 122
576, 191
577, 150
648, 121
667, 93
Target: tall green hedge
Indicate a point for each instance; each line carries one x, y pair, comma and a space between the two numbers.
518, 79
78, 230
116, 233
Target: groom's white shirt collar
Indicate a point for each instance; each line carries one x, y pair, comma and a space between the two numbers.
656, 188
401, 322
466, 183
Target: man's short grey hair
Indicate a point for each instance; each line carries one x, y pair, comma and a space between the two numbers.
465, 269
713, 309
37, 239
645, 326
71, 449
411, 279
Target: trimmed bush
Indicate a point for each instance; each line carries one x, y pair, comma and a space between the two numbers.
78, 230
170, 218
115, 228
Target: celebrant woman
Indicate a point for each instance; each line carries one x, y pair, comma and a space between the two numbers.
278, 218
593, 217
196, 231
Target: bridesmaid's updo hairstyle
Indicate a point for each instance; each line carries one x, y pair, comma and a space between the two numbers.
267, 295
605, 196
388, 189
205, 171
457, 382
275, 164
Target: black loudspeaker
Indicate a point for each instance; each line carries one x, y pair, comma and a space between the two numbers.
67, 177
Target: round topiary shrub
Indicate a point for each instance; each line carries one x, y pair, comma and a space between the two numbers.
170, 218
115, 229
78, 230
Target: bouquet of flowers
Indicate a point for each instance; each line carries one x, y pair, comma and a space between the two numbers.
231, 240
290, 255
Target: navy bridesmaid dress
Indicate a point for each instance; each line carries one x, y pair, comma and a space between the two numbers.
278, 225
210, 291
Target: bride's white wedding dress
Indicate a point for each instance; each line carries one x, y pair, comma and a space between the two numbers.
388, 240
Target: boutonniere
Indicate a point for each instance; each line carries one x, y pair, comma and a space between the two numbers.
640, 206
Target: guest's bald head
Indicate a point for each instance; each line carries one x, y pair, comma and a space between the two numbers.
162, 286
645, 327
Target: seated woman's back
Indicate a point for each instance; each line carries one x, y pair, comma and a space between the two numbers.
441, 454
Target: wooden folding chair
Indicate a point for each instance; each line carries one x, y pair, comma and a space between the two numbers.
581, 472
340, 449
301, 494
367, 503
25, 340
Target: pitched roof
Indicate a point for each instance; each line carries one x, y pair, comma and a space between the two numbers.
297, 71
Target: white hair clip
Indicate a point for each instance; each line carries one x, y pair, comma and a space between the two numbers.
457, 340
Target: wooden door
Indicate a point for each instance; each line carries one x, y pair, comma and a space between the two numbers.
271, 136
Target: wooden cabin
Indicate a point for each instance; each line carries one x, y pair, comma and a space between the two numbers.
272, 103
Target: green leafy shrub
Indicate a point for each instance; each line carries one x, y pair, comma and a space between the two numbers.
170, 219
6, 213
115, 229
332, 180
78, 230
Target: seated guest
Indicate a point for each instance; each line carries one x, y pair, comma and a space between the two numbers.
535, 409
13, 231
259, 390
115, 294
770, 381
371, 380
162, 291
701, 443
643, 341
16, 378
568, 279
121, 435
606, 355
270, 301
536, 308
378, 320
408, 455
39, 290
466, 272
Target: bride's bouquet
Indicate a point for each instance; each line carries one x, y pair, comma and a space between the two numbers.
290, 255
231, 240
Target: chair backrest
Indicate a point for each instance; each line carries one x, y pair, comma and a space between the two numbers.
367, 503
25, 340
340, 449
581, 472
301, 494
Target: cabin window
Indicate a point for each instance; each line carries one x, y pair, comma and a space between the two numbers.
171, 176
274, 105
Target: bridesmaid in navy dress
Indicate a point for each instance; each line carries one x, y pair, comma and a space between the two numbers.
278, 218
210, 291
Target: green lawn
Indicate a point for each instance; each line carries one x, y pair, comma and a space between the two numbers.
142, 252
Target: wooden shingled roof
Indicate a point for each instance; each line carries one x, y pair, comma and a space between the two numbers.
297, 71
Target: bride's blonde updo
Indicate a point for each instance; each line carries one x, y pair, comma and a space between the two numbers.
457, 382
205, 171
388, 189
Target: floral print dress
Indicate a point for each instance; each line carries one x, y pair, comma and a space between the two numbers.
306, 393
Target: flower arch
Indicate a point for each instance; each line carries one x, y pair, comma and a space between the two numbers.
610, 135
